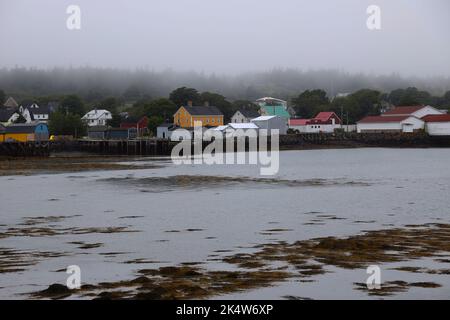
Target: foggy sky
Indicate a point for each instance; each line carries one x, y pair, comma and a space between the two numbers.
229, 36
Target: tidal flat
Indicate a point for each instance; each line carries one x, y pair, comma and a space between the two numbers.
153, 230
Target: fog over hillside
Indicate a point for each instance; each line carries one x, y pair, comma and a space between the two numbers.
283, 83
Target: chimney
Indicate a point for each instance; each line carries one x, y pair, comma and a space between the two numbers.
190, 103
206, 103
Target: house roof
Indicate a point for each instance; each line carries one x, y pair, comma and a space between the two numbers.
249, 113
382, 119
263, 118
220, 128
324, 116
248, 125
22, 128
133, 120
437, 118
11, 103
404, 110
6, 114
96, 114
36, 108
203, 111
298, 122
276, 111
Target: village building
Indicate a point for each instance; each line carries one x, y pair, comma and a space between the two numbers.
140, 124
97, 117
108, 133
405, 119
208, 116
437, 124
11, 103
380, 124
38, 112
244, 115
27, 114
326, 122
323, 122
270, 123
97, 132
164, 130
273, 107
8, 116
237, 129
298, 125
25, 133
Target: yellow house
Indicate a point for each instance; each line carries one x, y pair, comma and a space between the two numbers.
209, 116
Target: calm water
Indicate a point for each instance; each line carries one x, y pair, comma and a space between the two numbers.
186, 220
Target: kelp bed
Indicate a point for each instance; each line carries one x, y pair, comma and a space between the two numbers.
277, 262
61, 164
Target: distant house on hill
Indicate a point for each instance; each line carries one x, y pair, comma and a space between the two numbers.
11, 103
244, 115
97, 117
209, 116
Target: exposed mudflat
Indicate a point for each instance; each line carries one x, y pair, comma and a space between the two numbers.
61, 164
153, 230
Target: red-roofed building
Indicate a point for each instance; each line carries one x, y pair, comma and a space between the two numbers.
389, 124
416, 111
399, 119
325, 122
437, 124
135, 123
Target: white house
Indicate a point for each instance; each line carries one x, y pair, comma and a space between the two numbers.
244, 115
97, 117
389, 124
399, 119
271, 123
323, 122
437, 125
40, 112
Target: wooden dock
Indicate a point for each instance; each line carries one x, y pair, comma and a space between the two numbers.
138, 147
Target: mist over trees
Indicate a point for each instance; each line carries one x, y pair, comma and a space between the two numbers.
94, 84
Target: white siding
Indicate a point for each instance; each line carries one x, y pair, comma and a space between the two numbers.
408, 125
438, 128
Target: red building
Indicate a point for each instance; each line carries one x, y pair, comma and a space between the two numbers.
134, 123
